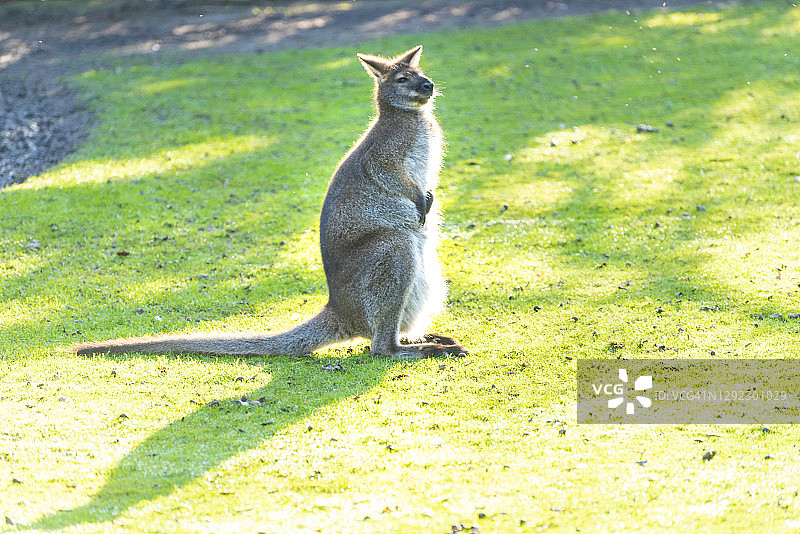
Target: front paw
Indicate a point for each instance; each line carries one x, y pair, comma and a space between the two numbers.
428, 201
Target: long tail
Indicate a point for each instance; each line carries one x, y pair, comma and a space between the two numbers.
321, 330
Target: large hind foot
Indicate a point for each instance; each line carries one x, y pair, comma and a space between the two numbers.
435, 346
429, 338
441, 340
440, 350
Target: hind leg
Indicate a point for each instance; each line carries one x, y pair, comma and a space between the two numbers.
386, 299
393, 300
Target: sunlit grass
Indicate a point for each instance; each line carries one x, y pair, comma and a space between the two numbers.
173, 161
569, 233
682, 18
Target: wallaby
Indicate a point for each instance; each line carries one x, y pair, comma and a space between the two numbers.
378, 234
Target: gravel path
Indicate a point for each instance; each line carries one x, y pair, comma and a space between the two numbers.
41, 123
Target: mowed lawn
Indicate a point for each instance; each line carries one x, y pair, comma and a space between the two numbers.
570, 232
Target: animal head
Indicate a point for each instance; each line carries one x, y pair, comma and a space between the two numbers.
399, 81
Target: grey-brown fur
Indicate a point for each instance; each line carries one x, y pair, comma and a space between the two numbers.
378, 233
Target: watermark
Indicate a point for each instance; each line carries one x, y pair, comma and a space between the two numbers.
704, 391
620, 390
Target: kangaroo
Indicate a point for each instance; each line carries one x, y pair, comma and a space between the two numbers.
379, 229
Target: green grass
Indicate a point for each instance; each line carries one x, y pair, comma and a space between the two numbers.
210, 175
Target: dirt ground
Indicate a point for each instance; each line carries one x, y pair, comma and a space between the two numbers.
51, 37
39, 44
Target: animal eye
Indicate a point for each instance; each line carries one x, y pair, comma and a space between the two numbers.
401, 79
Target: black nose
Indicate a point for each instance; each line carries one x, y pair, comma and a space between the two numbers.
427, 86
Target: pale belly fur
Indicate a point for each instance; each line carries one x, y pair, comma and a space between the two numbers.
428, 292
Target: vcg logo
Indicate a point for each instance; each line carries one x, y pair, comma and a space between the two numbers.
619, 391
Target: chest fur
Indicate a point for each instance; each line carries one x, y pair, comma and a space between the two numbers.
424, 157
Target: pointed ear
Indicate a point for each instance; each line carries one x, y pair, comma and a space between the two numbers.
377, 66
411, 57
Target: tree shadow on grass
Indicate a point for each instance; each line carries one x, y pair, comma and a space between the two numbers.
184, 450
627, 201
